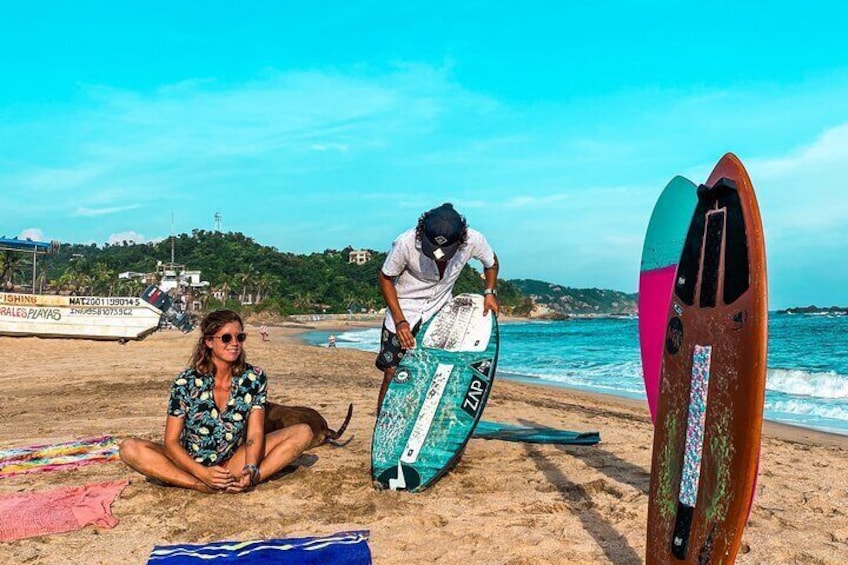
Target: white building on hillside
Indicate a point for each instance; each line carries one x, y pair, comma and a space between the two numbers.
359, 256
176, 277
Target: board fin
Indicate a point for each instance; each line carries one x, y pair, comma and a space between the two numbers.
682, 528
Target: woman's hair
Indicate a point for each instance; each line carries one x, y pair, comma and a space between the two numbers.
201, 358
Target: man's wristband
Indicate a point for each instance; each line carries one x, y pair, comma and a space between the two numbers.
401, 322
492, 291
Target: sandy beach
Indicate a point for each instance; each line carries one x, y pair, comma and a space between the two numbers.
506, 503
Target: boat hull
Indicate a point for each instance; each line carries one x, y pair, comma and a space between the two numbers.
117, 318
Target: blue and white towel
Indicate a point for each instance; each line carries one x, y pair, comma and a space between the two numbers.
344, 548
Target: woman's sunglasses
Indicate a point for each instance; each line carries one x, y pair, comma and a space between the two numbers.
227, 338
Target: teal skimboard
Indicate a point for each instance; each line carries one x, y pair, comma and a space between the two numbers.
436, 397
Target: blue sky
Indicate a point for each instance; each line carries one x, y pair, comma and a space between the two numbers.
553, 126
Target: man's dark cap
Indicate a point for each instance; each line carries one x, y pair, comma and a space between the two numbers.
443, 232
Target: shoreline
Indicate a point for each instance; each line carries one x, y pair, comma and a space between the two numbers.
294, 330
771, 428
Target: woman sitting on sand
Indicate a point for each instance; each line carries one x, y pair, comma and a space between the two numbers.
215, 431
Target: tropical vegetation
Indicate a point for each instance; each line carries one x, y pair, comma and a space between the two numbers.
245, 275
243, 272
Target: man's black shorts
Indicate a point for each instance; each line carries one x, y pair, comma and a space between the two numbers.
390, 350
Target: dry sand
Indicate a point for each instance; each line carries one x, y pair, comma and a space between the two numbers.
505, 502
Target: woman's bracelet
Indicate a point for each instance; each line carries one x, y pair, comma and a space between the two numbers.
254, 473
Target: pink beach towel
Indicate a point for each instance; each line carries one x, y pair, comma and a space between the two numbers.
59, 456
25, 515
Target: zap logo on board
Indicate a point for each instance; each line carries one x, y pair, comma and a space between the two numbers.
474, 396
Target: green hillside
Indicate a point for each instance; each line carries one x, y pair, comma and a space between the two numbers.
282, 282
566, 301
242, 271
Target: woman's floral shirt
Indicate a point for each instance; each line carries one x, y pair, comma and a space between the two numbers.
211, 437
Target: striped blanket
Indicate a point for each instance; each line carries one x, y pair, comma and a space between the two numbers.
53, 457
344, 548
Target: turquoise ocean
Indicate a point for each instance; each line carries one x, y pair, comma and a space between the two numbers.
807, 383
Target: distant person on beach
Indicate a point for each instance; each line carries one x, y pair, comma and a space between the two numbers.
263, 331
418, 277
331, 341
215, 437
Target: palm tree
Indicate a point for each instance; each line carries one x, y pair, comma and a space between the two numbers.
243, 280
371, 304
78, 278
225, 289
264, 285
12, 266
129, 287
349, 299
303, 301
103, 280
76, 283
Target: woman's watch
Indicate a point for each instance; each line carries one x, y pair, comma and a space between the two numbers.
254, 473
492, 291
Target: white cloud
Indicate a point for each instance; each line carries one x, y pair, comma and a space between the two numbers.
803, 206
470, 204
196, 122
57, 179
340, 147
183, 141
85, 211
128, 236
34, 234
802, 193
522, 201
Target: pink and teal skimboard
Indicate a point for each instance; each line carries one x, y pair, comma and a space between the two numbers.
660, 256
713, 374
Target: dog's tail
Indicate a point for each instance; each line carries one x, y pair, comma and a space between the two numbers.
333, 436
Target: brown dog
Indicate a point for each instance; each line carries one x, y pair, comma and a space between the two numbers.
278, 417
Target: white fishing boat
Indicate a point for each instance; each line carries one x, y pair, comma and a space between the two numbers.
119, 318
88, 317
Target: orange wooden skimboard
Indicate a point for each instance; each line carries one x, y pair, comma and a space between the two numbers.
712, 388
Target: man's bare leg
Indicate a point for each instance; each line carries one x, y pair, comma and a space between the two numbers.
387, 378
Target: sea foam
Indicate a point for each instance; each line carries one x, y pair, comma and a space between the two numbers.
801, 383
802, 408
